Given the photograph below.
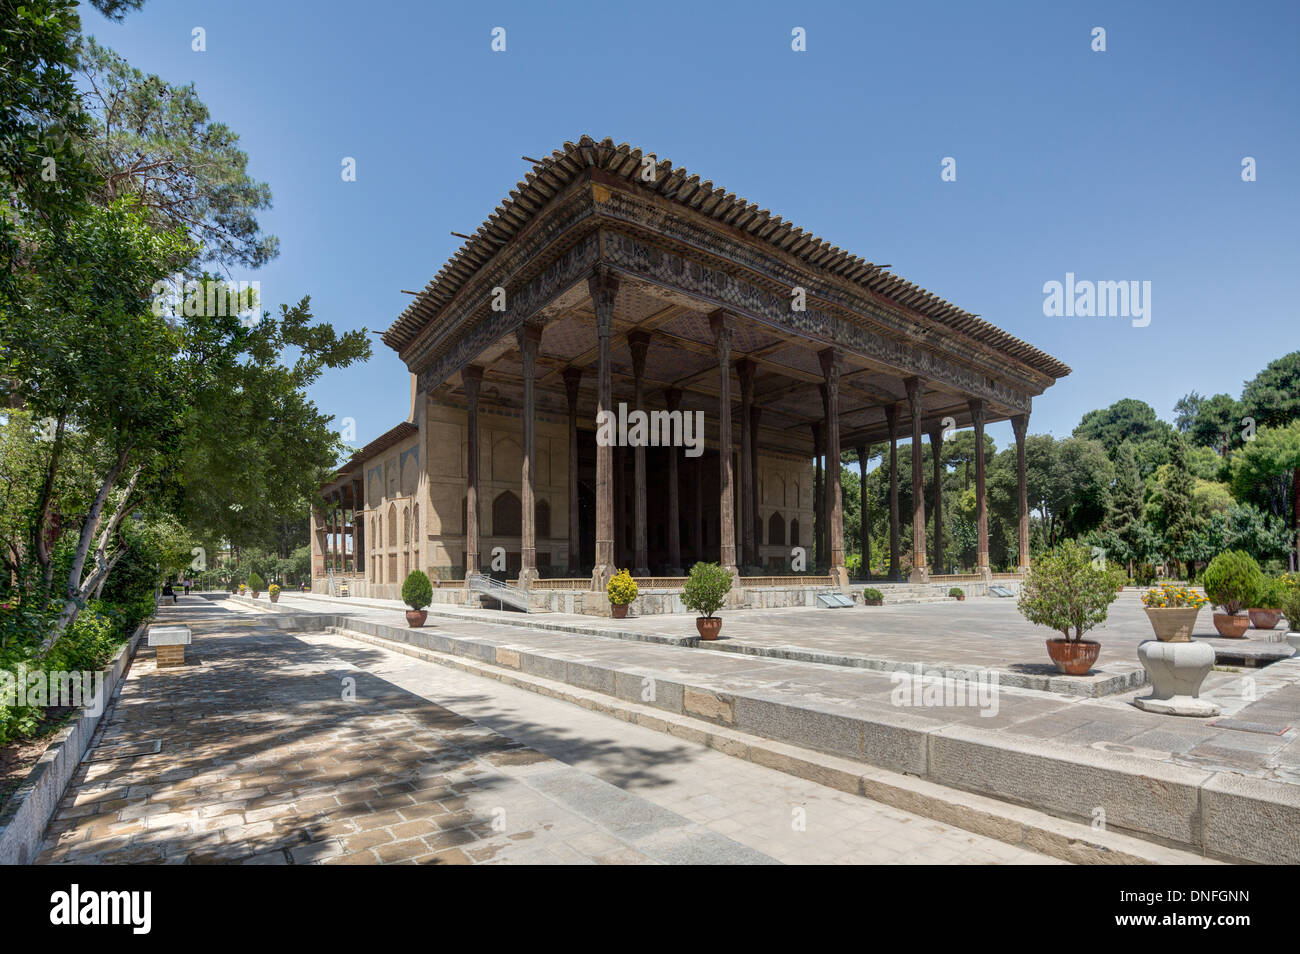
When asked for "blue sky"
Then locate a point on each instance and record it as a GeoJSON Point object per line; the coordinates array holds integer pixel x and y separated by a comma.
{"type": "Point", "coordinates": [1118, 166]}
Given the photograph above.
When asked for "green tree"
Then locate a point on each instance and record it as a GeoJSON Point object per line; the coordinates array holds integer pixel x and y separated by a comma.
{"type": "Point", "coordinates": [1126, 419]}
{"type": "Point", "coordinates": [1272, 399]}
{"type": "Point", "coordinates": [158, 142]}
{"type": "Point", "coordinates": [1178, 511]}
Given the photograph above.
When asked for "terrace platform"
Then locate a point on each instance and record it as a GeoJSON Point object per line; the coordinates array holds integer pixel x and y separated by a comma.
{"type": "Point", "coordinates": [1228, 787]}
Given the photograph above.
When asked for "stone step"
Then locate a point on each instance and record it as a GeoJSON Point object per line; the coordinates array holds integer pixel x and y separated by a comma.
{"type": "Point", "coordinates": [1203, 809]}
{"type": "Point", "coordinates": [1012, 824]}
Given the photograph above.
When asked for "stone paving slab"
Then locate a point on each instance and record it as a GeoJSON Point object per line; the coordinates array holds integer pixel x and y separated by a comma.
{"type": "Point", "coordinates": [286, 748]}
{"type": "Point", "coordinates": [257, 755]}
{"type": "Point", "coordinates": [1098, 751]}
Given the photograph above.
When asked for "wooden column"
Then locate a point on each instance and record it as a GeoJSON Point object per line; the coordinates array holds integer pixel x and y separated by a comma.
{"type": "Point", "coordinates": [819, 497]}
{"type": "Point", "coordinates": [358, 529]}
{"type": "Point", "coordinates": [936, 453]}
{"type": "Point", "coordinates": [673, 399]}
{"type": "Point", "coordinates": [723, 326]}
{"type": "Point", "coordinates": [528, 336]}
{"type": "Point", "coordinates": [572, 381]}
{"type": "Point", "coordinates": [1020, 424]}
{"type": "Point", "coordinates": [697, 523]}
{"type": "Point", "coordinates": [863, 512]}
{"type": "Point", "coordinates": [620, 509]}
{"type": "Point", "coordinates": [754, 413]}
{"type": "Point", "coordinates": [891, 419]}
{"type": "Point", "coordinates": [832, 363]}
{"type": "Point", "coordinates": [470, 379]}
{"type": "Point", "coordinates": [745, 372]}
{"type": "Point", "coordinates": [603, 286]}
{"type": "Point", "coordinates": [981, 506]}
{"type": "Point", "coordinates": [915, 403]}
{"type": "Point", "coordinates": [638, 342]}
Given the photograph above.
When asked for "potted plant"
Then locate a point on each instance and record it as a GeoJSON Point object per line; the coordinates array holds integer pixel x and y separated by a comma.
{"type": "Point", "coordinates": [256, 584]}
{"type": "Point", "coordinates": [957, 593]}
{"type": "Point", "coordinates": [1291, 610]}
{"type": "Point", "coordinates": [1232, 581]}
{"type": "Point", "coordinates": [872, 597]}
{"type": "Point", "coordinates": [1269, 611]}
{"type": "Point", "coordinates": [705, 592]}
{"type": "Point", "coordinates": [621, 590]}
{"type": "Point", "coordinates": [274, 592]}
{"type": "Point", "coordinates": [1172, 610]}
{"type": "Point", "coordinates": [417, 593]}
{"type": "Point", "coordinates": [243, 588]}
{"type": "Point", "coordinates": [1065, 591]}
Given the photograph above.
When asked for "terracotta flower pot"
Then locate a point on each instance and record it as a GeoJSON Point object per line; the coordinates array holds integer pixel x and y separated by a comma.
{"type": "Point", "coordinates": [256, 593]}
{"type": "Point", "coordinates": [1073, 657]}
{"type": "Point", "coordinates": [1264, 618]}
{"type": "Point", "coordinates": [618, 610]}
{"type": "Point", "coordinates": [275, 597]}
{"type": "Point", "coordinates": [1173, 624]}
{"type": "Point", "coordinates": [873, 602]}
{"type": "Point", "coordinates": [708, 626]}
{"type": "Point", "coordinates": [415, 618]}
{"type": "Point", "coordinates": [960, 598]}
{"type": "Point", "coordinates": [1230, 626]}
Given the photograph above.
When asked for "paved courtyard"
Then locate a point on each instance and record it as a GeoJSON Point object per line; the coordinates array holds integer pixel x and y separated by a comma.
{"type": "Point", "coordinates": [280, 748]}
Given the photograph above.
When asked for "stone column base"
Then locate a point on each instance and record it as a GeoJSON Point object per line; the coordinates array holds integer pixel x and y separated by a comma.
{"type": "Point", "coordinates": [527, 577]}
{"type": "Point", "coordinates": [919, 574]}
{"type": "Point", "coordinates": [840, 578]}
{"type": "Point", "coordinates": [600, 577]}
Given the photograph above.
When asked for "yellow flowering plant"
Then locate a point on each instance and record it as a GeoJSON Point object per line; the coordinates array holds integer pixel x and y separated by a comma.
{"type": "Point", "coordinates": [621, 588]}
{"type": "Point", "coordinates": [1173, 596]}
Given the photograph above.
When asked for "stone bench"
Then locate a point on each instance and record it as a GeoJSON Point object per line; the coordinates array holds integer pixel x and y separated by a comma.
{"type": "Point", "coordinates": [169, 643]}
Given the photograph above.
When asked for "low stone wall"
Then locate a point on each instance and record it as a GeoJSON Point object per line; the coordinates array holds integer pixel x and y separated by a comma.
{"type": "Point", "coordinates": [30, 808]}
{"type": "Point", "coordinates": [1215, 812]}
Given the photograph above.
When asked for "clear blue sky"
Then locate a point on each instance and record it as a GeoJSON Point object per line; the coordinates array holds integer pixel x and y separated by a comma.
{"type": "Point", "coordinates": [1122, 165]}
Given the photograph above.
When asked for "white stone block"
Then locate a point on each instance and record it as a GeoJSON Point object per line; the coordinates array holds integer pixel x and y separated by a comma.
{"type": "Point", "coordinates": [170, 636]}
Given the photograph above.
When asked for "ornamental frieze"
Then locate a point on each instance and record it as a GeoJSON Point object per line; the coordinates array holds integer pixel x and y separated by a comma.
{"type": "Point", "coordinates": [628, 208]}
{"type": "Point", "coordinates": [746, 298]}
{"type": "Point", "coordinates": [460, 345]}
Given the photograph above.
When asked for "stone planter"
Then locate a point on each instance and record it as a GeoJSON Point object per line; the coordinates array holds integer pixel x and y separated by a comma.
{"type": "Point", "coordinates": [1264, 618]}
{"type": "Point", "coordinates": [1073, 657]}
{"type": "Point", "coordinates": [1176, 670]}
{"type": "Point", "coordinates": [415, 618]}
{"type": "Point", "coordinates": [1232, 626]}
{"type": "Point", "coordinates": [618, 610]}
{"type": "Point", "coordinates": [1173, 624]}
{"type": "Point", "coordinates": [708, 626]}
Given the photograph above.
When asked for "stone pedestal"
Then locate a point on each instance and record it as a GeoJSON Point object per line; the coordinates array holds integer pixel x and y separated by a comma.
{"type": "Point", "coordinates": [169, 644]}
{"type": "Point", "coordinates": [1176, 671]}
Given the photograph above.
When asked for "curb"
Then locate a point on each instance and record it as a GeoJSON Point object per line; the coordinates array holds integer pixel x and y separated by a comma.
{"type": "Point", "coordinates": [29, 810]}
{"type": "Point", "coordinates": [1011, 824]}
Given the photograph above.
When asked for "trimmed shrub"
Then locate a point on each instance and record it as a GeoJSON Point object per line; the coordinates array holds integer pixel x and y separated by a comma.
{"type": "Point", "coordinates": [1233, 580]}
{"type": "Point", "coordinates": [621, 589]}
{"type": "Point", "coordinates": [956, 591]}
{"type": "Point", "coordinates": [256, 583]}
{"type": "Point", "coordinates": [1066, 592]}
{"type": "Point", "coordinates": [872, 594]}
{"type": "Point", "coordinates": [417, 591]}
{"type": "Point", "coordinates": [706, 589]}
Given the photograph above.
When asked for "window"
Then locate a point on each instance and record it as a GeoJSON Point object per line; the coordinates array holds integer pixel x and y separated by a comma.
{"type": "Point", "coordinates": [507, 515]}
{"type": "Point", "coordinates": [776, 529]}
